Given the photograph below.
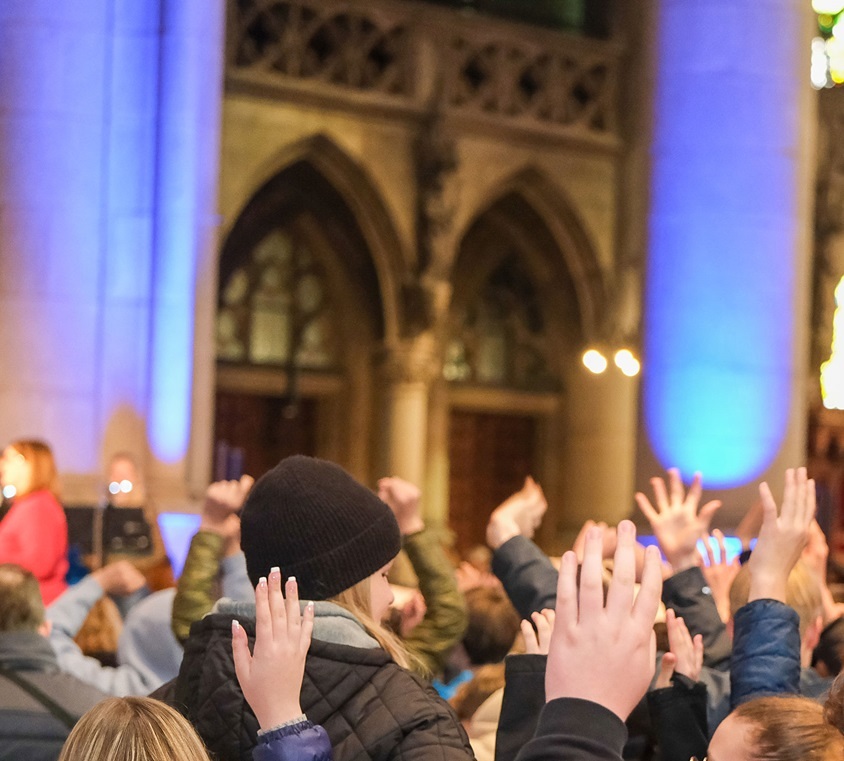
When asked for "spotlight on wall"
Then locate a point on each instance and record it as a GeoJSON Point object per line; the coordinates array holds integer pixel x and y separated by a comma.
{"type": "Point", "coordinates": [594, 361]}
{"type": "Point", "coordinates": [627, 363]}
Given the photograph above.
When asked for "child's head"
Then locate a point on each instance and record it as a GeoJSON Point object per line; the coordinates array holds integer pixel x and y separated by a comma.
{"type": "Point", "coordinates": [784, 728]}
{"type": "Point", "coordinates": [141, 729]}
{"type": "Point", "coordinates": [310, 518]}
{"type": "Point", "coordinates": [493, 625]}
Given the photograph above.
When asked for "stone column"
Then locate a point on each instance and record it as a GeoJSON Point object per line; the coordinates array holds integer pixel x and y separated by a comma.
{"type": "Point", "coordinates": [407, 372]}
{"type": "Point", "coordinates": [730, 221]}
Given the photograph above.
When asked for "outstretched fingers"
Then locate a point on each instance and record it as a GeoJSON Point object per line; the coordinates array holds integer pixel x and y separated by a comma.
{"type": "Point", "coordinates": [621, 592]}
{"type": "Point", "coordinates": [592, 575]}
{"type": "Point", "coordinates": [650, 590]}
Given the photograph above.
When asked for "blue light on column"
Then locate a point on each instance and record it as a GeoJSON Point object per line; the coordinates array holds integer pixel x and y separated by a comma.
{"type": "Point", "coordinates": [719, 311]}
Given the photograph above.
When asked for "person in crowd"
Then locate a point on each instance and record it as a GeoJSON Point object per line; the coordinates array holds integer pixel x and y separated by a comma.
{"type": "Point", "coordinates": [600, 656]}
{"type": "Point", "coordinates": [214, 552]}
{"type": "Point", "coordinates": [314, 521]}
{"type": "Point", "coordinates": [145, 729]}
{"type": "Point", "coordinates": [148, 654]}
{"type": "Point", "coordinates": [38, 702]}
{"type": "Point", "coordinates": [33, 533]}
{"type": "Point", "coordinates": [431, 640]}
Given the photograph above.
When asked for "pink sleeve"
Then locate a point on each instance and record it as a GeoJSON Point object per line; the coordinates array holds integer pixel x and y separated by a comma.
{"type": "Point", "coordinates": [34, 535]}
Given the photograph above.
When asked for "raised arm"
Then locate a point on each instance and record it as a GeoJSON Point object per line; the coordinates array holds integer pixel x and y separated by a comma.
{"type": "Point", "coordinates": [601, 656]}
{"type": "Point", "coordinates": [766, 641]}
{"type": "Point", "coordinates": [217, 538]}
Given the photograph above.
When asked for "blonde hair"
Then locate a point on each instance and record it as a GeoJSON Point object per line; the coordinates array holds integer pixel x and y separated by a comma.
{"type": "Point", "coordinates": [133, 729]}
{"type": "Point", "coordinates": [39, 457]}
{"type": "Point", "coordinates": [357, 600]}
{"type": "Point", "coordinates": [803, 593]}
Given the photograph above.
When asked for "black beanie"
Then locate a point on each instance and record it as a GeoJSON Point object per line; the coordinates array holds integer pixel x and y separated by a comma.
{"type": "Point", "coordinates": [310, 518]}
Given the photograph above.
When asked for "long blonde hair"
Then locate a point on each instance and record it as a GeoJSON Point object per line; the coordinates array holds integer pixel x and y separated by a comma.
{"type": "Point", "coordinates": [136, 729]}
{"type": "Point", "coordinates": [357, 600]}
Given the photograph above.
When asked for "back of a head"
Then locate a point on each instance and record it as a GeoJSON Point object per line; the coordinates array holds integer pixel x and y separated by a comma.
{"type": "Point", "coordinates": [140, 729]}
{"type": "Point", "coordinates": [21, 606]}
{"type": "Point", "coordinates": [39, 456]}
{"type": "Point", "coordinates": [828, 656]}
{"type": "Point", "coordinates": [492, 627]}
{"type": "Point", "coordinates": [310, 518]}
{"type": "Point", "coordinates": [803, 593]}
{"type": "Point", "coordinates": [791, 728]}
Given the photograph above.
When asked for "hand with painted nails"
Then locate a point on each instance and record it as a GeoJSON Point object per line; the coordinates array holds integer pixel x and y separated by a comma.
{"type": "Point", "coordinates": [604, 652]}
{"type": "Point", "coordinates": [782, 537]}
{"type": "Point", "coordinates": [685, 655]}
{"type": "Point", "coordinates": [537, 641]}
{"type": "Point", "coordinates": [676, 520]}
{"type": "Point", "coordinates": [271, 676]}
{"type": "Point", "coordinates": [719, 574]}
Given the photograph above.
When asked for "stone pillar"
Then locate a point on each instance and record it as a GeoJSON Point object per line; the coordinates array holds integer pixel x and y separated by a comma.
{"type": "Point", "coordinates": [407, 372]}
{"type": "Point", "coordinates": [730, 220]}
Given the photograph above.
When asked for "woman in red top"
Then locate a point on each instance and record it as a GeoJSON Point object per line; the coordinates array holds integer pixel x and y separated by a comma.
{"type": "Point", "coordinates": [33, 533]}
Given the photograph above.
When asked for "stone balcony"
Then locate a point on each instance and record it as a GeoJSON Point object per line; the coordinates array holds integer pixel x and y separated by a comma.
{"type": "Point", "coordinates": [400, 59]}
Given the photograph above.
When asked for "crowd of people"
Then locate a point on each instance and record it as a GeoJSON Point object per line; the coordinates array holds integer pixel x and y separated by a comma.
{"type": "Point", "coordinates": [284, 638]}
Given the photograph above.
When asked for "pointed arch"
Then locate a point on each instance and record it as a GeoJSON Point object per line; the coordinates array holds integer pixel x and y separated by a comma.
{"type": "Point", "coordinates": [573, 258]}
{"type": "Point", "coordinates": [366, 211]}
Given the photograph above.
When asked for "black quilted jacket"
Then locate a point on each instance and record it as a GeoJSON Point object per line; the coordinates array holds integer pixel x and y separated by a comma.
{"type": "Point", "coordinates": [370, 707]}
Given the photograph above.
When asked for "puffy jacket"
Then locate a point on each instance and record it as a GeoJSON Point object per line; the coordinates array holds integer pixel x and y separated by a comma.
{"type": "Point", "coordinates": [298, 742]}
{"type": "Point", "coordinates": [370, 707]}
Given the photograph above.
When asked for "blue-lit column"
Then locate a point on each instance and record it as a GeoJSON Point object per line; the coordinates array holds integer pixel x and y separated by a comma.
{"type": "Point", "coordinates": [109, 124]}
{"type": "Point", "coordinates": [729, 242]}
{"type": "Point", "coordinates": [184, 298]}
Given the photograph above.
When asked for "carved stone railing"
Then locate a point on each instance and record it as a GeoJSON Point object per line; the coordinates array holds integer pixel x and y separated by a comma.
{"type": "Point", "coordinates": [400, 55]}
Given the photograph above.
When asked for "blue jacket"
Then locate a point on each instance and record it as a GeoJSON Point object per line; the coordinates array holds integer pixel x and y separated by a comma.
{"type": "Point", "coordinates": [298, 742]}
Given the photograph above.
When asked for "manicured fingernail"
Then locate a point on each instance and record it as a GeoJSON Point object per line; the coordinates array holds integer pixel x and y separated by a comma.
{"type": "Point", "coordinates": [274, 570]}
{"type": "Point", "coordinates": [310, 606]}
{"type": "Point", "coordinates": [291, 578]}
{"type": "Point", "coordinates": [235, 625]}
{"type": "Point", "coordinates": [262, 582]}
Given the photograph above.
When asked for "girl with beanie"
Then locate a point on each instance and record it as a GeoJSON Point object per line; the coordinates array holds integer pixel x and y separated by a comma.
{"type": "Point", "coordinates": [312, 520]}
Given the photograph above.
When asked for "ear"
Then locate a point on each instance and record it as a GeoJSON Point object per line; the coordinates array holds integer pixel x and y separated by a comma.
{"type": "Point", "coordinates": [45, 628]}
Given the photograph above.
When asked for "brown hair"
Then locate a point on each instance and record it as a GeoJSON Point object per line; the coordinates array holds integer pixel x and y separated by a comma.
{"type": "Point", "coordinates": [357, 600]}
{"type": "Point", "coordinates": [39, 457]}
{"type": "Point", "coordinates": [492, 627]}
{"type": "Point", "coordinates": [140, 729]}
{"type": "Point", "coordinates": [791, 728]}
{"type": "Point", "coordinates": [21, 606]}
{"type": "Point", "coordinates": [803, 593]}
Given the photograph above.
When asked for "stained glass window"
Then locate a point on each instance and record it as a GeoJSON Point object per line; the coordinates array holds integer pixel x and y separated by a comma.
{"type": "Point", "coordinates": [828, 45]}
{"type": "Point", "coordinates": [502, 339]}
{"type": "Point", "coordinates": [274, 309]}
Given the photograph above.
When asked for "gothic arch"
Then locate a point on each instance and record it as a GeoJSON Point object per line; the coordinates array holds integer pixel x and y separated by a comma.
{"type": "Point", "coordinates": [573, 257]}
{"type": "Point", "coordinates": [365, 206]}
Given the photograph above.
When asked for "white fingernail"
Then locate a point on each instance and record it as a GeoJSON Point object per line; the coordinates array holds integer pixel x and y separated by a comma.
{"type": "Point", "coordinates": [275, 569]}
{"type": "Point", "coordinates": [291, 578]}
{"type": "Point", "coordinates": [262, 582]}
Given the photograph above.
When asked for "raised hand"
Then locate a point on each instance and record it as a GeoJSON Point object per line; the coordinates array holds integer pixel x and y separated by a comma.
{"type": "Point", "coordinates": [720, 574]}
{"type": "Point", "coordinates": [119, 578]}
{"type": "Point", "coordinates": [782, 537]}
{"type": "Point", "coordinates": [223, 499]}
{"type": "Point", "coordinates": [605, 652]}
{"type": "Point", "coordinates": [518, 515]}
{"type": "Point", "coordinates": [676, 520]}
{"type": "Point", "coordinates": [685, 655]}
{"type": "Point", "coordinates": [538, 641]}
{"type": "Point", "coordinates": [402, 497]}
{"type": "Point", "coordinates": [271, 677]}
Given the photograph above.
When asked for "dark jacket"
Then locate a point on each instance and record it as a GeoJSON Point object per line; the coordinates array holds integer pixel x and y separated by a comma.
{"type": "Point", "coordinates": [570, 729]}
{"type": "Point", "coordinates": [678, 714]}
{"type": "Point", "coordinates": [370, 707]}
{"type": "Point", "coordinates": [28, 731]}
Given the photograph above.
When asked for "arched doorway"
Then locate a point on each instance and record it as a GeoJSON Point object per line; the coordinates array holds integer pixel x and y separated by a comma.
{"type": "Point", "coordinates": [515, 328]}
{"type": "Point", "coordinates": [299, 315]}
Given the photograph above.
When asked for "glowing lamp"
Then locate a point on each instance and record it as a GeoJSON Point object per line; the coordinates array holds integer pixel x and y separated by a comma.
{"type": "Point", "coordinates": [594, 361]}
{"type": "Point", "coordinates": [627, 363]}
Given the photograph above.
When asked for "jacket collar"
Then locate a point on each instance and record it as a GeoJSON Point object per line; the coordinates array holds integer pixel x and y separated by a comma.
{"type": "Point", "coordinates": [26, 651]}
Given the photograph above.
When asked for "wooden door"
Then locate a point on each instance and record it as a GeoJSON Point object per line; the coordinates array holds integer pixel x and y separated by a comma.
{"type": "Point", "coordinates": [259, 426]}
{"type": "Point", "coordinates": [490, 455]}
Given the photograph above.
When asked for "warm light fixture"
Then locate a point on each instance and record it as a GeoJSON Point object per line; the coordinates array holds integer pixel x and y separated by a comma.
{"type": "Point", "coordinates": [627, 363]}
{"type": "Point", "coordinates": [594, 361]}
{"type": "Point", "coordinates": [828, 6]}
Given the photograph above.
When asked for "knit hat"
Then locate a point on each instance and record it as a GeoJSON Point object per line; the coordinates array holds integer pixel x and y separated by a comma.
{"type": "Point", "coordinates": [314, 521]}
